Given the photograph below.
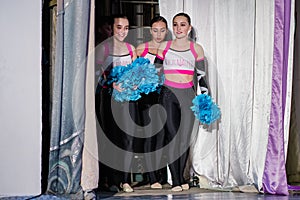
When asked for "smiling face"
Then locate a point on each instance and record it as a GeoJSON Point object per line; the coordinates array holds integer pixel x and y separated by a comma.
{"type": "Point", "coordinates": [158, 31]}
{"type": "Point", "coordinates": [120, 28]}
{"type": "Point", "coordinates": [181, 27]}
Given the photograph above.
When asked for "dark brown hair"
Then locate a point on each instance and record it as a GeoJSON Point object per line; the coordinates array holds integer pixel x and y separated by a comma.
{"type": "Point", "coordinates": [184, 15]}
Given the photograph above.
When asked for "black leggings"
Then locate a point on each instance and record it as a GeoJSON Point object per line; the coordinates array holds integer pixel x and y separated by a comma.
{"type": "Point", "coordinates": [154, 138]}
{"type": "Point", "coordinates": [114, 118]}
{"type": "Point", "coordinates": [178, 129]}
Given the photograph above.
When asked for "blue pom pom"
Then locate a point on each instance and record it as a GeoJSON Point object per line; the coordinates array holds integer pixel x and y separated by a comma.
{"type": "Point", "coordinates": [205, 110]}
{"type": "Point", "coordinates": [139, 77]}
{"type": "Point", "coordinates": [116, 73]}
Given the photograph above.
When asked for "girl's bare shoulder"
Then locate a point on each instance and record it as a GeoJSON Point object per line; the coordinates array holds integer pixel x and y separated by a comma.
{"type": "Point", "coordinates": [140, 48]}
{"type": "Point", "coordinates": [162, 46]}
{"type": "Point", "coordinates": [199, 50]}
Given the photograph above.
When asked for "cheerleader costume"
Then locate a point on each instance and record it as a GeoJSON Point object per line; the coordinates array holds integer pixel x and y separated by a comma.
{"type": "Point", "coordinates": [150, 144]}
{"type": "Point", "coordinates": [104, 105]}
{"type": "Point", "coordinates": [177, 98]}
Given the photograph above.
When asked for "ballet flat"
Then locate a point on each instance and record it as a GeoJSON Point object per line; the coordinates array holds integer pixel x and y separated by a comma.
{"type": "Point", "coordinates": [156, 186]}
{"type": "Point", "coordinates": [185, 186]}
{"type": "Point", "coordinates": [126, 188]}
{"type": "Point", "coordinates": [176, 189]}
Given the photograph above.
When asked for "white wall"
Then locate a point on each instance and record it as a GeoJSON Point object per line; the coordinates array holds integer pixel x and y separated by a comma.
{"type": "Point", "coordinates": [20, 97]}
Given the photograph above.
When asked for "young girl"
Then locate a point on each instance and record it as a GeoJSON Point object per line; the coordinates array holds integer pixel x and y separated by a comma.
{"type": "Point", "coordinates": [180, 60]}
{"type": "Point", "coordinates": [158, 31]}
{"type": "Point", "coordinates": [115, 52]}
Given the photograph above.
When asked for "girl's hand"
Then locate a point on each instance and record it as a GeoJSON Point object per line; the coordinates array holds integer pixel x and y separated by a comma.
{"type": "Point", "coordinates": [118, 87]}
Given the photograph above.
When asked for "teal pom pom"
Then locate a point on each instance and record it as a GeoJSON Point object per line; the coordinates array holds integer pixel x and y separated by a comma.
{"type": "Point", "coordinates": [136, 78]}
{"type": "Point", "coordinates": [117, 72]}
{"type": "Point", "coordinates": [205, 110]}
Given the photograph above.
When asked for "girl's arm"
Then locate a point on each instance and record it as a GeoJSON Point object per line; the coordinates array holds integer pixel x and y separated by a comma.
{"type": "Point", "coordinates": [134, 56]}
{"type": "Point", "coordinates": [140, 49]}
{"type": "Point", "coordinates": [200, 69]}
{"type": "Point", "coordinates": [100, 56]}
{"type": "Point", "coordinates": [159, 59]}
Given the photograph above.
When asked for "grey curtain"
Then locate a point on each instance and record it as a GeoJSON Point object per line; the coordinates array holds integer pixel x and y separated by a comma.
{"type": "Point", "coordinates": [68, 109]}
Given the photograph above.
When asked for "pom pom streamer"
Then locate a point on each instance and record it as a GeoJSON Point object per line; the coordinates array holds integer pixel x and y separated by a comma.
{"type": "Point", "coordinates": [136, 78]}
{"type": "Point", "coordinates": [205, 110]}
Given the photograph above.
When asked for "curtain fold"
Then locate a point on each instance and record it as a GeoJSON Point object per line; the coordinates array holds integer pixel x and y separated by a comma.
{"type": "Point", "coordinates": [169, 8]}
{"type": "Point", "coordinates": [263, 61]}
{"type": "Point", "coordinates": [68, 110]}
{"type": "Point", "coordinates": [274, 178]}
{"type": "Point", "coordinates": [289, 73]}
{"type": "Point", "coordinates": [90, 165]}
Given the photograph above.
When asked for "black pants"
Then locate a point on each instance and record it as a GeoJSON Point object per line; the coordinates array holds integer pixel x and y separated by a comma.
{"type": "Point", "coordinates": [153, 138]}
{"type": "Point", "coordinates": [117, 121]}
{"type": "Point", "coordinates": [178, 129]}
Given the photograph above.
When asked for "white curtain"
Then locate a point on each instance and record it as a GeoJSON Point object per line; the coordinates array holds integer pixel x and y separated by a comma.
{"type": "Point", "coordinates": [90, 168]}
{"type": "Point", "coordinates": [238, 39]}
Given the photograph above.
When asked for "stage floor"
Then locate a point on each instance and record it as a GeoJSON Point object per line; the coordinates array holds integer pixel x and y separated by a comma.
{"type": "Point", "coordinates": [145, 193]}
{"type": "Point", "coordinates": [194, 193]}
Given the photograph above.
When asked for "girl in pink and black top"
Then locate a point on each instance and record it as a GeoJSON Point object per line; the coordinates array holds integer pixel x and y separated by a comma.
{"type": "Point", "coordinates": [115, 52]}
{"type": "Point", "coordinates": [181, 61]}
{"type": "Point", "coordinates": [152, 141]}
{"type": "Point", "coordinates": [158, 31]}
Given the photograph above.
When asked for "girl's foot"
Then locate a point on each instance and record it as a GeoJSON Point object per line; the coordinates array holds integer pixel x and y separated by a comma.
{"type": "Point", "coordinates": [126, 187]}
{"type": "Point", "coordinates": [185, 186]}
{"type": "Point", "coordinates": [156, 185]}
{"type": "Point", "coordinates": [176, 189]}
